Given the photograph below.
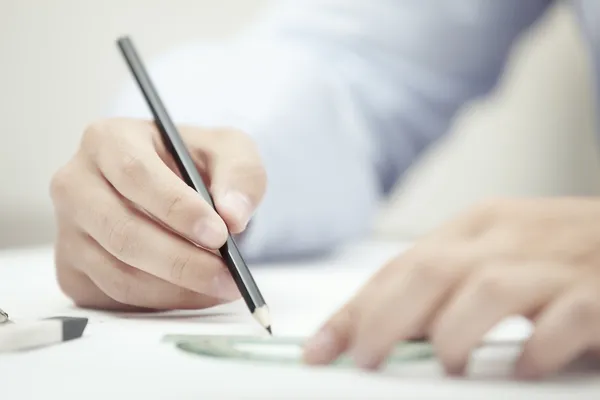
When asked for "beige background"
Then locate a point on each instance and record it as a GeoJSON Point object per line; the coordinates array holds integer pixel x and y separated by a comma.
{"type": "Point", "coordinates": [59, 69]}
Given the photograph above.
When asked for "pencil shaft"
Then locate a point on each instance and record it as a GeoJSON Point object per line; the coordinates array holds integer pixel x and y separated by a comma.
{"type": "Point", "coordinates": [243, 278]}
{"type": "Point", "coordinates": [175, 145]}
{"type": "Point", "coordinates": [167, 128]}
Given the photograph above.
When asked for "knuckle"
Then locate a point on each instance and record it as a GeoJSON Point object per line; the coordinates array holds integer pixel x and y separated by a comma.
{"type": "Point", "coordinates": [122, 236]}
{"type": "Point", "coordinates": [60, 184]}
{"type": "Point", "coordinates": [174, 205]}
{"type": "Point", "coordinates": [95, 134]}
{"type": "Point", "coordinates": [178, 265]}
{"type": "Point", "coordinates": [132, 168]}
{"type": "Point", "coordinates": [101, 140]}
{"type": "Point", "coordinates": [429, 271]}
{"type": "Point", "coordinates": [490, 284]}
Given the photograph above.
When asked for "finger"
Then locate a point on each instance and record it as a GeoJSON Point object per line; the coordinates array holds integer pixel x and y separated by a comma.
{"type": "Point", "coordinates": [368, 326]}
{"type": "Point", "coordinates": [566, 329]}
{"type": "Point", "coordinates": [138, 241]}
{"type": "Point", "coordinates": [84, 293]}
{"type": "Point", "coordinates": [71, 280]}
{"type": "Point", "coordinates": [335, 336]}
{"type": "Point", "coordinates": [134, 287]}
{"type": "Point", "coordinates": [470, 224]}
{"type": "Point", "coordinates": [405, 303]}
{"type": "Point", "coordinates": [128, 159]}
{"type": "Point", "coordinates": [332, 338]}
{"type": "Point", "coordinates": [488, 296]}
{"type": "Point", "coordinates": [237, 177]}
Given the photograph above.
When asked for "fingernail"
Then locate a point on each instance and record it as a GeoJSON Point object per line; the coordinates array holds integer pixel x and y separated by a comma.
{"type": "Point", "coordinates": [239, 205]}
{"type": "Point", "coordinates": [210, 233]}
{"type": "Point", "coordinates": [224, 287]}
{"type": "Point", "coordinates": [320, 348]}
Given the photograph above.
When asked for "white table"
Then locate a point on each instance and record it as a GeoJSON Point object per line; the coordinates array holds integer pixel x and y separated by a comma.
{"type": "Point", "coordinates": [122, 356]}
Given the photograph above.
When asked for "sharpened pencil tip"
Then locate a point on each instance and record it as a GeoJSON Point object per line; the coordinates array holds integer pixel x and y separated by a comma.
{"type": "Point", "coordinates": [261, 314]}
{"type": "Point", "coordinates": [270, 330]}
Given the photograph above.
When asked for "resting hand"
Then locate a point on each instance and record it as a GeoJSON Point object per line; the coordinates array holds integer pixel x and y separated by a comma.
{"type": "Point", "coordinates": [535, 258]}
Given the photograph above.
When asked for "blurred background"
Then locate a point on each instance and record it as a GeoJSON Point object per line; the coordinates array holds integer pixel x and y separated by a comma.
{"type": "Point", "coordinates": [59, 70]}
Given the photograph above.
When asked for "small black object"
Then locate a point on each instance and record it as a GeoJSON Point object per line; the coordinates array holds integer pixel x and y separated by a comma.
{"type": "Point", "coordinates": [72, 328]}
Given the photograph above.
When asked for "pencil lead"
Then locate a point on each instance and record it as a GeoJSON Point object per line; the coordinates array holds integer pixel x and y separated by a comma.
{"type": "Point", "coordinates": [270, 330]}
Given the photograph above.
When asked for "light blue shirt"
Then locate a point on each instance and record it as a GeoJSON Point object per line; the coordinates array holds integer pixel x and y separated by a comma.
{"type": "Point", "coordinates": [341, 97]}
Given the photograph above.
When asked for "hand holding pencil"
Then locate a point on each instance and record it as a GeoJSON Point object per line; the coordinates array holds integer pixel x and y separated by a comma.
{"type": "Point", "coordinates": [132, 234]}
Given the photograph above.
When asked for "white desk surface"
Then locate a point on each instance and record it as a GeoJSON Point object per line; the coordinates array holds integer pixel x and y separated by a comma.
{"type": "Point", "coordinates": [121, 356]}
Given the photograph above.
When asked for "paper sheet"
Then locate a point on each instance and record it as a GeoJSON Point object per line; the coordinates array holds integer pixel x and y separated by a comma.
{"type": "Point", "coordinates": [122, 356]}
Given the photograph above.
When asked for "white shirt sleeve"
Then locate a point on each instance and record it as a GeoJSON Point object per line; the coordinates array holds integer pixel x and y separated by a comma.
{"type": "Point", "coordinates": [341, 96]}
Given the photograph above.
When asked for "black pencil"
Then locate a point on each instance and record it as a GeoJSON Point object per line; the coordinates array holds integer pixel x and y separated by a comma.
{"type": "Point", "coordinates": [173, 142]}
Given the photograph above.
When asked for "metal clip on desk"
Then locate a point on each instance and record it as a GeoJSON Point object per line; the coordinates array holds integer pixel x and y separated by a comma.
{"type": "Point", "coordinates": [3, 316]}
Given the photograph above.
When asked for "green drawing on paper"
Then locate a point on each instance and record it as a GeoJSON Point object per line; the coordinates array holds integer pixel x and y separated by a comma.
{"type": "Point", "coordinates": [280, 350]}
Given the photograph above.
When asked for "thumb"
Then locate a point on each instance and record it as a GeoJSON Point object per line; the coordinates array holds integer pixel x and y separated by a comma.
{"type": "Point", "coordinates": [238, 183]}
